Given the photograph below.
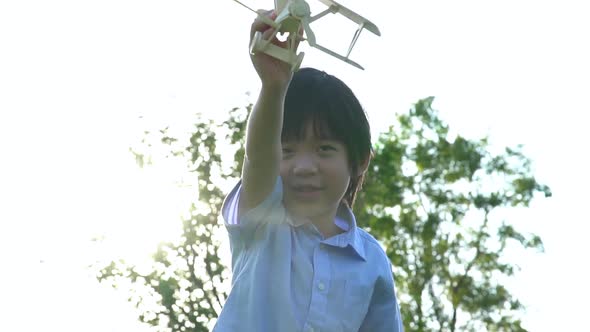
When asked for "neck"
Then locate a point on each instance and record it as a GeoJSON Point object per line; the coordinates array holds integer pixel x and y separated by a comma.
{"type": "Point", "coordinates": [327, 227]}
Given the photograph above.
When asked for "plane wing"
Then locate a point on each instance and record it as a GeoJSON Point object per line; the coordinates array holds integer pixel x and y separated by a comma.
{"type": "Point", "coordinates": [336, 55]}
{"type": "Point", "coordinates": [338, 8]}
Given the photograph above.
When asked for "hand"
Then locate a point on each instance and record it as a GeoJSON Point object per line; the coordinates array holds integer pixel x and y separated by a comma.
{"type": "Point", "coordinates": [273, 72]}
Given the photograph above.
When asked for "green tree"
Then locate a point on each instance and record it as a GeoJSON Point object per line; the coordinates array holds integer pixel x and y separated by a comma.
{"type": "Point", "coordinates": [429, 198]}
{"type": "Point", "coordinates": [435, 201]}
{"type": "Point", "coordinates": [183, 289]}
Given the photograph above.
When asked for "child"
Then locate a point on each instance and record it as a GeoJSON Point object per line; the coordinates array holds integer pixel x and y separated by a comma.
{"type": "Point", "coordinates": [299, 261]}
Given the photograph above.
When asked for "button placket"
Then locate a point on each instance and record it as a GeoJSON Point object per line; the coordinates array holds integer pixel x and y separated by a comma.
{"type": "Point", "coordinates": [321, 281]}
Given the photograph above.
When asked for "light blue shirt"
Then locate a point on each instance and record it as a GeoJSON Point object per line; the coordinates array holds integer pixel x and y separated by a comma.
{"type": "Point", "coordinates": [288, 278]}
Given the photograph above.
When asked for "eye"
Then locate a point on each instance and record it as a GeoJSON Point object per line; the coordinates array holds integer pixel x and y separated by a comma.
{"type": "Point", "coordinates": [327, 147]}
{"type": "Point", "coordinates": [287, 152]}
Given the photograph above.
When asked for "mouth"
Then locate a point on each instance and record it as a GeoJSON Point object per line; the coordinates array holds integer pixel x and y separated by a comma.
{"type": "Point", "coordinates": [306, 188]}
{"type": "Point", "coordinates": [306, 192]}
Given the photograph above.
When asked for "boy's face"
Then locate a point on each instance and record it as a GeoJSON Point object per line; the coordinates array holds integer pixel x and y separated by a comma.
{"type": "Point", "coordinates": [315, 174]}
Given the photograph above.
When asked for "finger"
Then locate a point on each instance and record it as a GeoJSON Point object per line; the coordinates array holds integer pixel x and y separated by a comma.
{"type": "Point", "coordinates": [299, 37]}
{"type": "Point", "coordinates": [268, 33]}
{"type": "Point", "coordinates": [259, 24]}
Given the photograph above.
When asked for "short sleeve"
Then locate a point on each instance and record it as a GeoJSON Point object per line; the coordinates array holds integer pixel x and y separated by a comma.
{"type": "Point", "coordinates": [241, 228]}
{"type": "Point", "coordinates": [384, 313]}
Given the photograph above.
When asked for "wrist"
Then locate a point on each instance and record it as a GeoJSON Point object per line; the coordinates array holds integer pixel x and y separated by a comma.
{"type": "Point", "coordinates": [274, 89]}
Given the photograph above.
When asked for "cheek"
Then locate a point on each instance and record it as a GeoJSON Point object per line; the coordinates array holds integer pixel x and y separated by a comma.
{"type": "Point", "coordinates": [339, 175]}
{"type": "Point", "coordinates": [284, 168]}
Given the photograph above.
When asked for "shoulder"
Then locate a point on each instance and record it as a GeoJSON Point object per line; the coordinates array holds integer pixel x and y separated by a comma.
{"type": "Point", "coordinates": [370, 243]}
{"type": "Point", "coordinates": [374, 251]}
{"type": "Point", "coordinates": [234, 214]}
{"type": "Point", "coordinates": [380, 265]}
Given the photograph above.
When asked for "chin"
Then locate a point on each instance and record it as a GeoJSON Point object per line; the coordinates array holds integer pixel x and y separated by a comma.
{"type": "Point", "coordinates": [300, 211]}
{"type": "Point", "coordinates": [308, 211]}
{"type": "Point", "coordinates": [298, 208]}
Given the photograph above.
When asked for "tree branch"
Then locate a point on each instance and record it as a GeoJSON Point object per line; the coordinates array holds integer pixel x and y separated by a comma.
{"type": "Point", "coordinates": [214, 289]}
{"type": "Point", "coordinates": [437, 307]}
{"type": "Point", "coordinates": [194, 282]}
{"type": "Point", "coordinates": [468, 268]}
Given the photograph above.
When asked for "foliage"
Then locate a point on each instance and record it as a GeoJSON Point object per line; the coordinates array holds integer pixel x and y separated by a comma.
{"type": "Point", "coordinates": [183, 291]}
{"type": "Point", "coordinates": [434, 201]}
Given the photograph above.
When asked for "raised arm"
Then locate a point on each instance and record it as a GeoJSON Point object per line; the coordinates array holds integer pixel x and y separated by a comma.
{"type": "Point", "coordinates": [263, 135]}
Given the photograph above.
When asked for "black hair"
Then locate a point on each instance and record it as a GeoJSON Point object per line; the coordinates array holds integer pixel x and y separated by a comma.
{"type": "Point", "coordinates": [332, 108]}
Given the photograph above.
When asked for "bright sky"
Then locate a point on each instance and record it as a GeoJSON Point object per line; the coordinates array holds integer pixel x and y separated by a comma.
{"type": "Point", "coordinates": [76, 75]}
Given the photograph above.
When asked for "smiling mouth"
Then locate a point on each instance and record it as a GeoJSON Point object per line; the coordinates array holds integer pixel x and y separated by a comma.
{"type": "Point", "coordinates": [306, 189]}
{"type": "Point", "coordinates": [306, 193]}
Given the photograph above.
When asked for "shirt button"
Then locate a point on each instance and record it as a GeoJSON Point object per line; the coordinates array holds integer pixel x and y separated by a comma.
{"type": "Point", "coordinates": [321, 286]}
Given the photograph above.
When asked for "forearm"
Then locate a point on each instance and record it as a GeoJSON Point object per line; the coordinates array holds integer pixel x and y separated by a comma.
{"type": "Point", "coordinates": [263, 131]}
{"type": "Point", "coordinates": [263, 136]}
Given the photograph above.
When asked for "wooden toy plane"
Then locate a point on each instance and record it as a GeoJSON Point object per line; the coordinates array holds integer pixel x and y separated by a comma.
{"type": "Point", "coordinates": [294, 16]}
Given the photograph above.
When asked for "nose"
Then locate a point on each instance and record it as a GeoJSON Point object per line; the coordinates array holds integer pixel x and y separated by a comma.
{"type": "Point", "coordinates": [304, 164]}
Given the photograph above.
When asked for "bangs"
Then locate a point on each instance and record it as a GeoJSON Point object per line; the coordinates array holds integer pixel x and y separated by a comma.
{"type": "Point", "coordinates": [322, 117]}
{"type": "Point", "coordinates": [314, 101]}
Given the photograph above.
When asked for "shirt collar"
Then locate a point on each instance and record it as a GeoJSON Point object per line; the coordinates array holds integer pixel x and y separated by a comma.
{"type": "Point", "coordinates": [352, 236]}
{"type": "Point", "coordinates": [346, 221]}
